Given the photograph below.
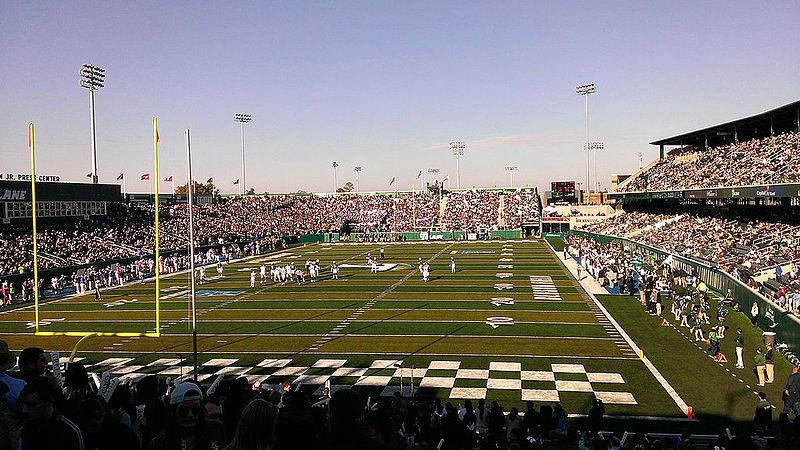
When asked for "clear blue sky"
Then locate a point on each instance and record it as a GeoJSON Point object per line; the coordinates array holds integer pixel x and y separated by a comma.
{"type": "Point", "coordinates": [384, 85]}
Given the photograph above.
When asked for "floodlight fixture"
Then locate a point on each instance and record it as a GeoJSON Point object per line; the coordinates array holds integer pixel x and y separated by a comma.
{"type": "Point", "coordinates": [92, 78]}
{"type": "Point", "coordinates": [457, 147]}
{"type": "Point", "coordinates": [242, 119]}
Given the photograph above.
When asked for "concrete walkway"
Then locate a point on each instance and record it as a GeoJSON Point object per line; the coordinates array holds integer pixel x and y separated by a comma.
{"type": "Point", "coordinates": [588, 283]}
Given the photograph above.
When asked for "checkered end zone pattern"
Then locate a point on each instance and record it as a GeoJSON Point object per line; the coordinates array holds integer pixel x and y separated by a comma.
{"type": "Point", "coordinates": [390, 376]}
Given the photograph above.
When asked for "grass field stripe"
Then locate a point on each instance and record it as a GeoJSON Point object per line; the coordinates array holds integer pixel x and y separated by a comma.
{"type": "Point", "coordinates": [652, 368]}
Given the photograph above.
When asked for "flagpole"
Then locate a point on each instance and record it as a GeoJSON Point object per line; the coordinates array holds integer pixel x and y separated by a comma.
{"type": "Point", "coordinates": [124, 187]}
{"type": "Point", "coordinates": [157, 249]}
{"type": "Point", "coordinates": [32, 144]}
{"type": "Point", "coordinates": [191, 252]}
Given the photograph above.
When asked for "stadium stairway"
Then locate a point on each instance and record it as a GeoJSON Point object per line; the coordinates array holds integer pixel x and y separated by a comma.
{"type": "Point", "coordinates": [128, 248]}
{"type": "Point", "coordinates": [56, 260]}
{"type": "Point", "coordinates": [442, 209]}
{"type": "Point", "coordinates": [501, 217]}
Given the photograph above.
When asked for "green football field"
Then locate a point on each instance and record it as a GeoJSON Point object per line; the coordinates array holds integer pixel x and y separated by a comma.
{"type": "Point", "coordinates": [510, 325]}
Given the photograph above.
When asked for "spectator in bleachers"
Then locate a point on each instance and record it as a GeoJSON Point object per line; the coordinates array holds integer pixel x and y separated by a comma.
{"type": "Point", "coordinates": [185, 428]}
{"type": "Point", "coordinates": [32, 363]}
{"type": "Point", "coordinates": [256, 427]}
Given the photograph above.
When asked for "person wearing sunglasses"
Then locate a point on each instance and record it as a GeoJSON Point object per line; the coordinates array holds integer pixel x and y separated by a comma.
{"type": "Point", "coordinates": [186, 422]}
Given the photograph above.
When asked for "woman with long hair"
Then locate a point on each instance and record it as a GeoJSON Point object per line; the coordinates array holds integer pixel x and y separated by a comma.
{"type": "Point", "coordinates": [256, 427]}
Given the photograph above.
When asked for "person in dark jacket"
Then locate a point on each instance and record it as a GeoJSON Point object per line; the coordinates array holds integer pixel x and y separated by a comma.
{"type": "Point", "coordinates": [100, 429]}
{"type": "Point", "coordinates": [45, 427]}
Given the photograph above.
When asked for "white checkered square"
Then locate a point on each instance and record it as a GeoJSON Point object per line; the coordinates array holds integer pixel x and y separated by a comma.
{"type": "Point", "coordinates": [330, 363]}
{"type": "Point", "coordinates": [505, 366]}
{"type": "Point", "coordinates": [437, 382]}
{"type": "Point", "coordinates": [417, 372]}
{"type": "Point", "coordinates": [163, 362]}
{"type": "Point", "coordinates": [233, 371]}
{"type": "Point", "coordinates": [540, 395]}
{"type": "Point", "coordinates": [568, 368]}
{"type": "Point", "coordinates": [274, 363]}
{"type": "Point", "coordinates": [349, 372]}
{"type": "Point", "coordinates": [502, 383]}
{"type": "Point", "coordinates": [616, 398]}
{"type": "Point", "coordinates": [468, 393]}
{"type": "Point", "coordinates": [444, 365]}
{"type": "Point", "coordinates": [384, 363]}
{"type": "Point", "coordinates": [600, 377]}
{"type": "Point", "coordinates": [290, 371]}
{"type": "Point", "coordinates": [220, 362]}
{"type": "Point", "coordinates": [573, 386]}
{"type": "Point", "coordinates": [473, 374]}
{"type": "Point", "coordinates": [537, 375]}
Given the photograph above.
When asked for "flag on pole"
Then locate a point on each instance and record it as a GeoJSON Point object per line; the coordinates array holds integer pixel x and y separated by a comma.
{"type": "Point", "coordinates": [236, 182]}
{"type": "Point", "coordinates": [146, 177]}
{"type": "Point", "coordinates": [121, 176]}
{"type": "Point", "coordinates": [210, 180]}
{"type": "Point", "coordinates": [168, 179]}
{"type": "Point", "coordinates": [391, 182]}
{"type": "Point", "coordinates": [419, 174]}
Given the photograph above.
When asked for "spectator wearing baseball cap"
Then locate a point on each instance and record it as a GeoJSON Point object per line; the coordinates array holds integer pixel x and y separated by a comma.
{"type": "Point", "coordinates": [8, 360]}
{"type": "Point", "coordinates": [186, 422]}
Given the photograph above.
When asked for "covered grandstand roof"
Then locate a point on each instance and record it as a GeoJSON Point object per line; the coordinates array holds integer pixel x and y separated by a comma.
{"type": "Point", "coordinates": [775, 121]}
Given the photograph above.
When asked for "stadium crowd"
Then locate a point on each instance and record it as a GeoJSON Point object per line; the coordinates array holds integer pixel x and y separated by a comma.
{"type": "Point", "coordinates": [758, 161]}
{"type": "Point", "coordinates": [747, 239]}
{"type": "Point", "coordinates": [66, 409]}
{"type": "Point", "coordinates": [759, 246]}
{"type": "Point", "coordinates": [127, 231]}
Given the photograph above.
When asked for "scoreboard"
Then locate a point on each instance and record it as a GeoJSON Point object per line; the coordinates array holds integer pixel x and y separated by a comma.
{"type": "Point", "coordinates": [563, 189]}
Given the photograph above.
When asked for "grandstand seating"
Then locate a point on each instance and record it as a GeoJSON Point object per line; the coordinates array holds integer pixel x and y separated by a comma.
{"type": "Point", "coordinates": [759, 161]}
{"type": "Point", "coordinates": [127, 231]}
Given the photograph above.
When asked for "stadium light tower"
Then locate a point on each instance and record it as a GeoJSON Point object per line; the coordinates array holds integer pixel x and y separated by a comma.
{"type": "Point", "coordinates": [242, 119]}
{"type": "Point", "coordinates": [458, 150]}
{"type": "Point", "coordinates": [511, 170]}
{"type": "Point", "coordinates": [432, 171]}
{"type": "Point", "coordinates": [335, 165]}
{"type": "Point", "coordinates": [92, 78]}
{"type": "Point", "coordinates": [357, 170]}
{"type": "Point", "coordinates": [585, 90]}
{"type": "Point", "coordinates": [595, 146]}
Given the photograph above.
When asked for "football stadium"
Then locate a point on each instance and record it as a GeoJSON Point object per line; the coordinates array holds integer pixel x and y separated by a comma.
{"type": "Point", "coordinates": [649, 307]}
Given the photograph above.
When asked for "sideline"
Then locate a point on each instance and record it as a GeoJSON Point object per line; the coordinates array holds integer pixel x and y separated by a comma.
{"type": "Point", "coordinates": [591, 286]}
